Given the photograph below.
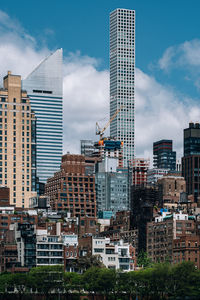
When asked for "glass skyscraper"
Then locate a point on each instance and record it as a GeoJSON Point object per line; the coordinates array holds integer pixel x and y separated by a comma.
{"type": "Point", "coordinates": [44, 88]}
{"type": "Point", "coordinates": [122, 71]}
{"type": "Point", "coordinates": [163, 155]}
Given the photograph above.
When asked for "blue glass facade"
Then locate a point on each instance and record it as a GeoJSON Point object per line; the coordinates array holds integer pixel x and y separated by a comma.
{"type": "Point", "coordinates": [44, 88]}
{"type": "Point", "coordinates": [192, 140]}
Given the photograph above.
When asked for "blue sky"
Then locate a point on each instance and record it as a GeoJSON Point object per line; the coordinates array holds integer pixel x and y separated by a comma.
{"type": "Point", "coordinates": [167, 61]}
{"type": "Point", "coordinates": [84, 25]}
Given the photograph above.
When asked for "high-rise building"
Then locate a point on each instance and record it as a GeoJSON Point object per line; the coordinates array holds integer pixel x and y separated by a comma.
{"type": "Point", "coordinates": [163, 155]}
{"type": "Point", "coordinates": [17, 142]}
{"type": "Point", "coordinates": [192, 139]}
{"type": "Point", "coordinates": [191, 160]}
{"type": "Point", "coordinates": [122, 78]}
{"type": "Point", "coordinates": [44, 88]}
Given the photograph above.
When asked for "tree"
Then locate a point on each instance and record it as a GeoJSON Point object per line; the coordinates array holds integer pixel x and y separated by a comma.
{"type": "Point", "coordinates": [107, 281]}
{"type": "Point", "coordinates": [5, 282]}
{"type": "Point", "coordinates": [143, 260]}
{"type": "Point", "coordinates": [46, 279]}
{"type": "Point", "coordinates": [160, 280]}
{"type": "Point", "coordinates": [85, 262]}
{"type": "Point", "coordinates": [20, 282]}
{"type": "Point", "coordinates": [185, 280]}
{"type": "Point", "coordinates": [123, 282]}
{"type": "Point", "coordinates": [72, 281]}
{"type": "Point", "coordinates": [91, 280]}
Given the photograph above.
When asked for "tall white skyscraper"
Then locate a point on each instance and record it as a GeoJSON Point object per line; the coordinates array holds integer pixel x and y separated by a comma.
{"type": "Point", "coordinates": [122, 71]}
{"type": "Point", "coordinates": [44, 88]}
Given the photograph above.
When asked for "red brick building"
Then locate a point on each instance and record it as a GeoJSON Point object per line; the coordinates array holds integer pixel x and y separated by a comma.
{"type": "Point", "coordinates": [163, 233]}
{"type": "Point", "coordinates": [140, 167]}
{"type": "Point", "coordinates": [6, 219]}
{"type": "Point", "coordinates": [71, 189]}
{"type": "Point", "coordinates": [186, 248]}
{"type": "Point", "coordinates": [4, 196]}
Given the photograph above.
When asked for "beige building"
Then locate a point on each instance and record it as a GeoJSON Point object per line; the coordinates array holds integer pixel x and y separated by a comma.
{"type": "Point", "coordinates": [16, 141]}
{"type": "Point", "coordinates": [172, 187]}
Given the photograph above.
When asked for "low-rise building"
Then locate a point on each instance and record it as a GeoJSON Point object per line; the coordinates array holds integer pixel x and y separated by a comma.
{"type": "Point", "coordinates": [49, 249]}
{"type": "Point", "coordinates": [117, 255]}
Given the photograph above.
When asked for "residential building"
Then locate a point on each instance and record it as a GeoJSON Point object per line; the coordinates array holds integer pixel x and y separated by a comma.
{"type": "Point", "coordinates": [17, 142]}
{"type": "Point", "coordinates": [114, 255]}
{"type": "Point", "coordinates": [163, 155]}
{"type": "Point", "coordinates": [44, 88]}
{"type": "Point", "coordinates": [122, 79]}
{"type": "Point", "coordinates": [9, 216]}
{"type": "Point", "coordinates": [186, 248]}
{"type": "Point", "coordinates": [9, 255]}
{"type": "Point", "coordinates": [70, 242]}
{"type": "Point", "coordinates": [140, 167]}
{"type": "Point", "coordinates": [164, 232]}
{"type": "Point", "coordinates": [25, 236]}
{"type": "Point", "coordinates": [71, 189]}
{"type": "Point", "coordinates": [49, 249]}
{"type": "Point", "coordinates": [191, 160]}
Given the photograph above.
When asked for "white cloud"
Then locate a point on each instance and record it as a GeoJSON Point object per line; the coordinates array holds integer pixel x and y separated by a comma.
{"type": "Point", "coordinates": [185, 55]}
{"type": "Point", "coordinates": [85, 100]}
{"type": "Point", "coordinates": [160, 111]}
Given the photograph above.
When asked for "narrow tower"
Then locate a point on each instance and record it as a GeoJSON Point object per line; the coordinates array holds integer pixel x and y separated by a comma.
{"type": "Point", "coordinates": [122, 71]}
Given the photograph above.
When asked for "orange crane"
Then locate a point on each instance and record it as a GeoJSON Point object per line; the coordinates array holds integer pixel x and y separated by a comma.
{"type": "Point", "coordinates": [100, 131]}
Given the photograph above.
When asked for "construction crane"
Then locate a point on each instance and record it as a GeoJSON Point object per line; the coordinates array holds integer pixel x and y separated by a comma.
{"type": "Point", "coordinates": [100, 131]}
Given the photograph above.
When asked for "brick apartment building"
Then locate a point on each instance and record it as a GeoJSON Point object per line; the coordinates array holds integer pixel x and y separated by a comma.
{"type": "Point", "coordinates": [162, 233]}
{"type": "Point", "coordinates": [10, 217]}
{"type": "Point", "coordinates": [71, 189]}
{"type": "Point", "coordinates": [186, 248]}
{"type": "Point", "coordinates": [4, 196]}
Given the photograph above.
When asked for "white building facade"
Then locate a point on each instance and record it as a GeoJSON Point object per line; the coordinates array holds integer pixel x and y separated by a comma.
{"type": "Point", "coordinates": [113, 255]}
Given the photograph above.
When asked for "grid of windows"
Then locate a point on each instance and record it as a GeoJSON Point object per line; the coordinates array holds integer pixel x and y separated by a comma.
{"type": "Point", "coordinates": [122, 69]}
{"type": "Point", "coordinates": [44, 87]}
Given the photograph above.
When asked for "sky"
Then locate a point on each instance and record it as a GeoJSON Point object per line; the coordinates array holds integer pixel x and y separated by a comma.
{"type": "Point", "coordinates": [167, 62]}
